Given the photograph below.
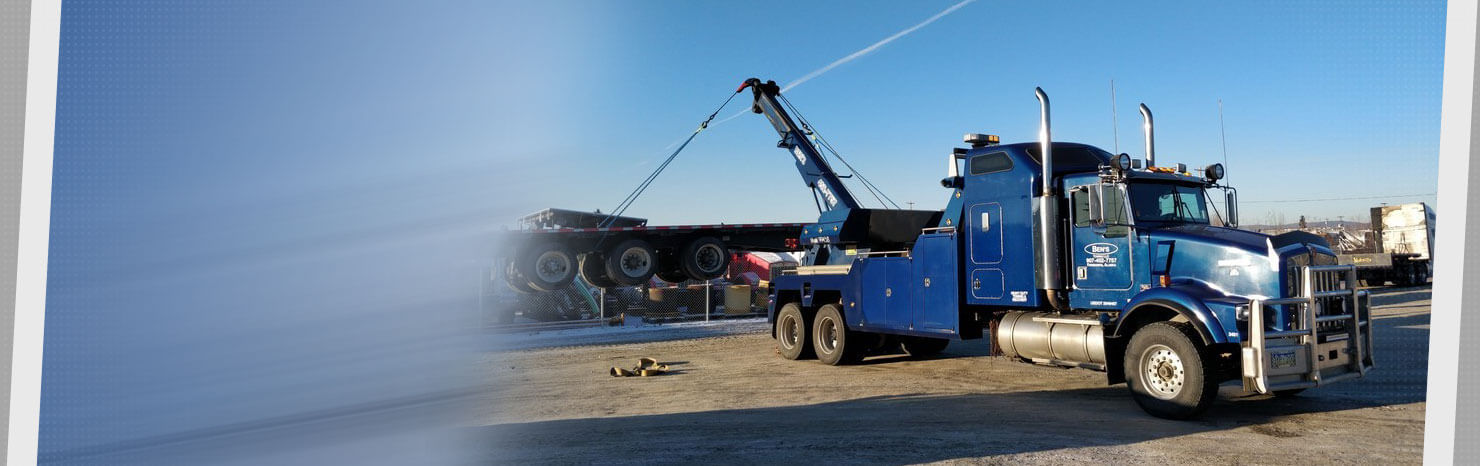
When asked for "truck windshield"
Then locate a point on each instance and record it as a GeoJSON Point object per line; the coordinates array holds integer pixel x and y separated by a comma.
{"type": "Point", "coordinates": [1168, 203]}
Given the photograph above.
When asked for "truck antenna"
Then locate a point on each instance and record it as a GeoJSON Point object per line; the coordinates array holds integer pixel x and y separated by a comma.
{"type": "Point", "coordinates": [1115, 120]}
{"type": "Point", "coordinates": [1224, 133]}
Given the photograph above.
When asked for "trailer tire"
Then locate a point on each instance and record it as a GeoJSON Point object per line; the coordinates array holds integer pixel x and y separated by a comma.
{"type": "Point", "coordinates": [632, 262]}
{"type": "Point", "coordinates": [793, 333]}
{"type": "Point", "coordinates": [547, 266]}
{"type": "Point", "coordinates": [704, 258]}
{"type": "Point", "coordinates": [593, 270]}
{"type": "Point", "coordinates": [515, 281]}
{"type": "Point", "coordinates": [831, 337]}
{"type": "Point", "coordinates": [921, 347]}
{"type": "Point", "coordinates": [1169, 371]}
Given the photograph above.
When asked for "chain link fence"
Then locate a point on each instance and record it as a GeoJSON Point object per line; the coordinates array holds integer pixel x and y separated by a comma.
{"type": "Point", "coordinates": [739, 294]}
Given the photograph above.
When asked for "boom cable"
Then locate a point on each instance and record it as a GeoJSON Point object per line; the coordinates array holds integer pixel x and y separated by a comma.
{"type": "Point", "coordinates": [632, 197]}
{"type": "Point", "coordinates": [867, 185]}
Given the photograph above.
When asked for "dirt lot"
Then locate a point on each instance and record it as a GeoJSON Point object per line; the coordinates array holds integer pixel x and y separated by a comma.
{"type": "Point", "coordinates": [731, 399]}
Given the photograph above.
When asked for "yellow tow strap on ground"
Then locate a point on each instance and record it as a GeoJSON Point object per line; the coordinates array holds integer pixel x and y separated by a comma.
{"type": "Point", "coordinates": [646, 367]}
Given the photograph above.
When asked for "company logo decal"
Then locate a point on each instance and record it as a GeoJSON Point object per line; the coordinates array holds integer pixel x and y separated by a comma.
{"type": "Point", "coordinates": [1101, 255]}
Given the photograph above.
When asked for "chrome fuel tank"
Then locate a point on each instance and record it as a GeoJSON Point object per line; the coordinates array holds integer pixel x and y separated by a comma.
{"type": "Point", "coordinates": [1052, 338]}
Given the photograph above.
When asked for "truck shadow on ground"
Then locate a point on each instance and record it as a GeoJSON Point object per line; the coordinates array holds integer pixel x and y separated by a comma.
{"type": "Point", "coordinates": [912, 428]}
{"type": "Point", "coordinates": [886, 429]}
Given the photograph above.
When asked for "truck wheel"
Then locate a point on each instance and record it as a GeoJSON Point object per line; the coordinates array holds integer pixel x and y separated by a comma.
{"type": "Point", "coordinates": [1167, 371]}
{"type": "Point", "coordinates": [792, 333]}
{"type": "Point", "coordinates": [920, 347]}
{"type": "Point", "coordinates": [632, 262]}
{"type": "Point", "coordinates": [704, 258]}
{"type": "Point", "coordinates": [593, 270]}
{"type": "Point", "coordinates": [547, 266]}
{"type": "Point", "coordinates": [516, 281]}
{"type": "Point", "coordinates": [831, 337]}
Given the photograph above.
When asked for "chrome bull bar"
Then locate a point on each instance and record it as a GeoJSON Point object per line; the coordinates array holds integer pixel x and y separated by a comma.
{"type": "Point", "coordinates": [1297, 358]}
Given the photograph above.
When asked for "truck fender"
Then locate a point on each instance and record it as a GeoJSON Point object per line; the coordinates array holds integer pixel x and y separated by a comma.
{"type": "Point", "coordinates": [1188, 305]}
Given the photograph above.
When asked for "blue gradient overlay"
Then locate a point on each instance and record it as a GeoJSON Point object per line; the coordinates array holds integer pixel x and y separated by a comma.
{"type": "Point", "coordinates": [268, 225]}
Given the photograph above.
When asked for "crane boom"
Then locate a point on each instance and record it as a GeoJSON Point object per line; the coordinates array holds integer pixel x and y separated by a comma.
{"type": "Point", "coordinates": [815, 171]}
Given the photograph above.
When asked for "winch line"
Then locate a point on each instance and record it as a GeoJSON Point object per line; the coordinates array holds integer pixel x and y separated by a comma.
{"type": "Point", "coordinates": [632, 197]}
{"type": "Point", "coordinates": [867, 185]}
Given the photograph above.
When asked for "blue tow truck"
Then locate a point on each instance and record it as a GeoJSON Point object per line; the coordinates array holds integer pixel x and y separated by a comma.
{"type": "Point", "coordinates": [1067, 255]}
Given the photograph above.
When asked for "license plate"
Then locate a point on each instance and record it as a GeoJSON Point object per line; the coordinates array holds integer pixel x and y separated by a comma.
{"type": "Point", "coordinates": [1282, 360]}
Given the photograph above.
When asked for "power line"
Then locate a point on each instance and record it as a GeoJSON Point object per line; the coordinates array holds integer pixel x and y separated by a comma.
{"type": "Point", "coordinates": [1342, 198]}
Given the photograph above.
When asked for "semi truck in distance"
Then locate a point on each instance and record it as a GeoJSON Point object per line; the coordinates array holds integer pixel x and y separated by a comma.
{"type": "Point", "coordinates": [1066, 255]}
{"type": "Point", "coordinates": [1401, 248]}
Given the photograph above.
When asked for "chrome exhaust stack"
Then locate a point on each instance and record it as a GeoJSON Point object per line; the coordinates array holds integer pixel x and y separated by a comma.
{"type": "Point", "coordinates": [1048, 207]}
{"type": "Point", "coordinates": [1150, 136]}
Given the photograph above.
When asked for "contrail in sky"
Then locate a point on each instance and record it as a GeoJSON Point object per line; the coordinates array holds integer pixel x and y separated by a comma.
{"type": "Point", "coordinates": [852, 56]}
{"type": "Point", "coordinates": [871, 48]}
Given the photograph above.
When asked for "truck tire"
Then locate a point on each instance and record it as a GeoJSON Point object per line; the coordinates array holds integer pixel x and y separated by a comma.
{"type": "Point", "coordinates": [516, 281]}
{"type": "Point", "coordinates": [1167, 369]}
{"type": "Point", "coordinates": [547, 266]}
{"type": "Point", "coordinates": [593, 270]}
{"type": "Point", "coordinates": [920, 347]}
{"type": "Point", "coordinates": [831, 338]}
{"type": "Point", "coordinates": [704, 258]}
{"type": "Point", "coordinates": [632, 262]}
{"type": "Point", "coordinates": [1400, 276]}
{"type": "Point", "coordinates": [793, 333]}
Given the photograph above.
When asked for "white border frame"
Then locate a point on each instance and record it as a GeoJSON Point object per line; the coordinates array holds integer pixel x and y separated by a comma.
{"type": "Point", "coordinates": [1456, 122]}
{"type": "Point", "coordinates": [35, 215]}
{"type": "Point", "coordinates": [34, 231]}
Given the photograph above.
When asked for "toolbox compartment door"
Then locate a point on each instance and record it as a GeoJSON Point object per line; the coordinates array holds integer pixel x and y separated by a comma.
{"type": "Point", "coordinates": [933, 266]}
{"type": "Point", "coordinates": [884, 292]}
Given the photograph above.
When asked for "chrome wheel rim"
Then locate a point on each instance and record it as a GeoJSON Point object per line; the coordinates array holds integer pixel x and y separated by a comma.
{"type": "Point", "coordinates": [1162, 373]}
{"type": "Point", "coordinates": [709, 258]}
{"type": "Point", "coordinates": [635, 262]}
{"type": "Point", "coordinates": [552, 266]}
{"type": "Point", "coordinates": [790, 332]}
{"type": "Point", "coordinates": [827, 335]}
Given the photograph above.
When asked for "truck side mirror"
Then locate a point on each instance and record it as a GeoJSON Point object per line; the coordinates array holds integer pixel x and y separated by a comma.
{"type": "Point", "coordinates": [1230, 201]}
{"type": "Point", "coordinates": [953, 173]}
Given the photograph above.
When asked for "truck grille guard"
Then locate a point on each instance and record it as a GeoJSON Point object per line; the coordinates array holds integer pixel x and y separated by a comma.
{"type": "Point", "coordinates": [1297, 358]}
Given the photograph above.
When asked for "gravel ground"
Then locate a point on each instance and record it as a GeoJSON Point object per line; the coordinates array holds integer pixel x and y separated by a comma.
{"type": "Point", "coordinates": [731, 399]}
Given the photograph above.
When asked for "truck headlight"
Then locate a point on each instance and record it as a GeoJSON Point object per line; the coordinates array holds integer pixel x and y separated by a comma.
{"type": "Point", "coordinates": [1241, 312]}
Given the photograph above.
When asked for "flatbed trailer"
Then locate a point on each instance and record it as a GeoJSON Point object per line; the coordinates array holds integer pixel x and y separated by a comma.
{"type": "Point", "coordinates": [557, 244]}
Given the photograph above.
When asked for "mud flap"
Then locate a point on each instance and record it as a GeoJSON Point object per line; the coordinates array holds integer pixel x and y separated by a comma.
{"type": "Point", "coordinates": [1115, 359]}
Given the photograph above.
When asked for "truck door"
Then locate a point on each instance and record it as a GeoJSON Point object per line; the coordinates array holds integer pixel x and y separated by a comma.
{"type": "Point", "coordinates": [985, 222]}
{"type": "Point", "coordinates": [1102, 254]}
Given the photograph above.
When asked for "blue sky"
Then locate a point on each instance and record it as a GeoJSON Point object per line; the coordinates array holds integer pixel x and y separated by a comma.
{"type": "Point", "coordinates": [1321, 101]}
